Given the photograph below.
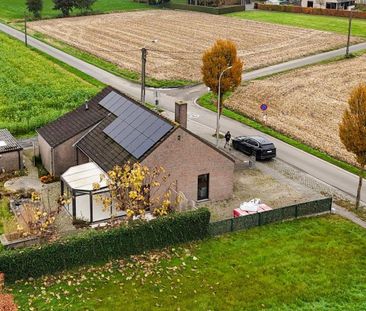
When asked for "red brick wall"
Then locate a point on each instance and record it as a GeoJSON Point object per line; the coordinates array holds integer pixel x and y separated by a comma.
{"type": "Point", "coordinates": [7, 303]}
{"type": "Point", "coordinates": [185, 157]}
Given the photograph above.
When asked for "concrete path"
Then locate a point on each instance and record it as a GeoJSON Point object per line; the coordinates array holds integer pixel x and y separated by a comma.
{"type": "Point", "coordinates": [31, 181]}
{"type": "Point", "coordinates": [316, 167]}
{"type": "Point", "coordinates": [349, 215]}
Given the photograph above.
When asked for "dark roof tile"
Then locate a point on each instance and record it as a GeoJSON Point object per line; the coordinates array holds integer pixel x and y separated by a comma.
{"type": "Point", "coordinates": [102, 149]}
{"type": "Point", "coordinates": [76, 121]}
{"type": "Point", "coordinates": [8, 142]}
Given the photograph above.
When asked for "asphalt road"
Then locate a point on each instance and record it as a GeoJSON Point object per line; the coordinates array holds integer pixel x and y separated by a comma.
{"type": "Point", "coordinates": [315, 167]}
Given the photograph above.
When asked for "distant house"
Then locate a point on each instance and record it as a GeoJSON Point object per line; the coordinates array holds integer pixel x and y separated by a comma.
{"type": "Point", "coordinates": [112, 129]}
{"type": "Point", "coordinates": [217, 3]}
{"type": "Point", "coordinates": [327, 4]}
{"type": "Point", "coordinates": [11, 153]}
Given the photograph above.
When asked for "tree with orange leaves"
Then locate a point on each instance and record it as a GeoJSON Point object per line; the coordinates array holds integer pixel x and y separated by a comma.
{"type": "Point", "coordinates": [215, 60]}
{"type": "Point", "coordinates": [352, 131]}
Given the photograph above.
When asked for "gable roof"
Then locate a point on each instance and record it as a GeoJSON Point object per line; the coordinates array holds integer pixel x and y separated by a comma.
{"type": "Point", "coordinates": [8, 142]}
{"type": "Point", "coordinates": [76, 121]}
{"type": "Point", "coordinates": [128, 133]}
{"type": "Point", "coordinates": [120, 129]}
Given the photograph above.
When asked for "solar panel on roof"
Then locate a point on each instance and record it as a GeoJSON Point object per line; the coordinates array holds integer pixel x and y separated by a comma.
{"type": "Point", "coordinates": [147, 144]}
{"type": "Point", "coordinates": [135, 129]}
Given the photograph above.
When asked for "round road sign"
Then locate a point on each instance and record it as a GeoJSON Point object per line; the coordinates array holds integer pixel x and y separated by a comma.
{"type": "Point", "coordinates": [264, 107]}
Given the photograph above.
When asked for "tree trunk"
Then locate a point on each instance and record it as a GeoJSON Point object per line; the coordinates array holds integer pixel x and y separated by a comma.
{"type": "Point", "coordinates": [358, 198]}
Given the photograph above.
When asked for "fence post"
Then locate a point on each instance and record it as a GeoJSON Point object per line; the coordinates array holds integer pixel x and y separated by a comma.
{"type": "Point", "coordinates": [259, 219]}
{"type": "Point", "coordinates": [231, 224]}
{"type": "Point", "coordinates": [296, 210]}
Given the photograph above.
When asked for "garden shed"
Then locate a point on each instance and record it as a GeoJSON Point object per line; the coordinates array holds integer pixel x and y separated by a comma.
{"type": "Point", "coordinates": [11, 153]}
{"type": "Point", "coordinates": [77, 183]}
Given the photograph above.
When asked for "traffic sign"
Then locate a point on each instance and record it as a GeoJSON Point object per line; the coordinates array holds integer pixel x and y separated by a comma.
{"type": "Point", "coordinates": [264, 107]}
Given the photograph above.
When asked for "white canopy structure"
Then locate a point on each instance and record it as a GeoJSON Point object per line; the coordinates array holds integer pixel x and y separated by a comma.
{"type": "Point", "coordinates": [78, 183]}
{"type": "Point", "coordinates": [82, 177]}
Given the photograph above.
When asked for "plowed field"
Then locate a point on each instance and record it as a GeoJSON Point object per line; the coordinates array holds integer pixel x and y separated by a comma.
{"type": "Point", "coordinates": [182, 37]}
{"type": "Point", "coordinates": [307, 103]}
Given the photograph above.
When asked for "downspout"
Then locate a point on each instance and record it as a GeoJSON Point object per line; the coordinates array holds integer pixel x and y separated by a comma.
{"type": "Point", "coordinates": [52, 162]}
{"type": "Point", "coordinates": [19, 163]}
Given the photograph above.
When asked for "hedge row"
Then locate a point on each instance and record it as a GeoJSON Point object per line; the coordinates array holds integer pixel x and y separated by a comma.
{"type": "Point", "coordinates": [205, 9]}
{"type": "Point", "coordinates": [312, 11]}
{"type": "Point", "coordinates": [98, 246]}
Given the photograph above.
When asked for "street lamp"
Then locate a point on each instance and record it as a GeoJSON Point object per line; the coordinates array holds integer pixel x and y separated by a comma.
{"type": "Point", "coordinates": [218, 106]}
{"type": "Point", "coordinates": [349, 28]}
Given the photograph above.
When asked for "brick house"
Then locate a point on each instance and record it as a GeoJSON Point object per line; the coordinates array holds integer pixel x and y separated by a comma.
{"type": "Point", "coordinates": [112, 129]}
{"type": "Point", "coordinates": [11, 153]}
{"type": "Point", "coordinates": [328, 4]}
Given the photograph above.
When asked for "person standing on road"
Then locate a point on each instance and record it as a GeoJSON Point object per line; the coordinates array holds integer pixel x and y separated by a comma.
{"type": "Point", "coordinates": [227, 139]}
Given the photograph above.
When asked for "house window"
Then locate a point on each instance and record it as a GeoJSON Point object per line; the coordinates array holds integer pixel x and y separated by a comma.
{"type": "Point", "coordinates": [203, 183]}
{"type": "Point", "coordinates": [310, 4]}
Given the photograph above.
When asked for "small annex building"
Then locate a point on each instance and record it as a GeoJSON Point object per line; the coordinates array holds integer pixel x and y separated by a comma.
{"type": "Point", "coordinates": [112, 129]}
{"type": "Point", "coordinates": [11, 153]}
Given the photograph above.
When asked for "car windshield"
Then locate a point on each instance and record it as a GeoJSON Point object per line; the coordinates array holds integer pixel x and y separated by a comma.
{"type": "Point", "coordinates": [261, 140]}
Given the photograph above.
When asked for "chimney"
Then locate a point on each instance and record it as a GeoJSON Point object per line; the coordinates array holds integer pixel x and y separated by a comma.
{"type": "Point", "coordinates": [181, 113]}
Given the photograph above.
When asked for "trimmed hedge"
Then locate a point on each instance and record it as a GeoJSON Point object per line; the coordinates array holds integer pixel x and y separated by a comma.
{"type": "Point", "coordinates": [312, 11]}
{"type": "Point", "coordinates": [205, 9]}
{"type": "Point", "coordinates": [99, 246]}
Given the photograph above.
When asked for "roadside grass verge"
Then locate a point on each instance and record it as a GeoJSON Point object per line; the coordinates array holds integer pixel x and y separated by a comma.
{"type": "Point", "coordinates": [309, 264]}
{"type": "Point", "coordinates": [207, 100]}
{"type": "Point", "coordinates": [36, 89]}
{"type": "Point", "coordinates": [11, 10]}
{"type": "Point", "coordinates": [325, 23]}
{"type": "Point", "coordinates": [130, 75]}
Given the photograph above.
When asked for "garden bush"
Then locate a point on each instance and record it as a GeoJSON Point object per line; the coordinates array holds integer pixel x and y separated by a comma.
{"type": "Point", "coordinates": [99, 246]}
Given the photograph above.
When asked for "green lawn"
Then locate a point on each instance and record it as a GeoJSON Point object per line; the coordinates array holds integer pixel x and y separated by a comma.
{"type": "Point", "coordinates": [327, 23]}
{"type": "Point", "coordinates": [35, 89]}
{"type": "Point", "coordinates": [309, 264]}
{"type": "Point", "coordinates": [14, 9]}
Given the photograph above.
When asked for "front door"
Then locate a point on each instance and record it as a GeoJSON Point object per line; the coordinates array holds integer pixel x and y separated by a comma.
{"type": "Point", "coordinates": [203, 185]}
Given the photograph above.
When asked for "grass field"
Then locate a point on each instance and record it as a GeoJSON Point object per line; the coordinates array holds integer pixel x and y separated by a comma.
{"type": "Point", "coordinates": [14, 9]}
{"type": "Point", "coordinates": [326, 23]}
{"type": "Point", "coordinates": [309, 264]}
{"type": "Point", "coordinates": [35, 89]}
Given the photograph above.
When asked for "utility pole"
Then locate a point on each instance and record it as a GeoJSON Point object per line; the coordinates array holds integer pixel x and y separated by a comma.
{"type": "Point", "coordinates": [349, 30]}
{"type": "Point", "coordinates": [25, 30]}
{"type": "Point", "coordinates": [143, 74]}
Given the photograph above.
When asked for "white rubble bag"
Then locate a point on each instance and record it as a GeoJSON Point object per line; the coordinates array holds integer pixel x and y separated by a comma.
{"type": "Point", "coordinates": [251, 206]}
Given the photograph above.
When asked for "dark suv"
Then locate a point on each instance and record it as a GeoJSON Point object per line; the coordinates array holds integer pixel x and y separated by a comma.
{"type": "Point", "coordinates": [255, 145]}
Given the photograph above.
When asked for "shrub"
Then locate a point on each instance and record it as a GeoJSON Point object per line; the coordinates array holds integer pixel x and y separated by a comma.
{"type": "Point", "coordinates": [84, 5]}
{"type": "Point", "coordinates": [35, 7]}
{"type": "Point", "coordinates": [99, 246]}
{"type": "Point", "coordinates": [65, 6]}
